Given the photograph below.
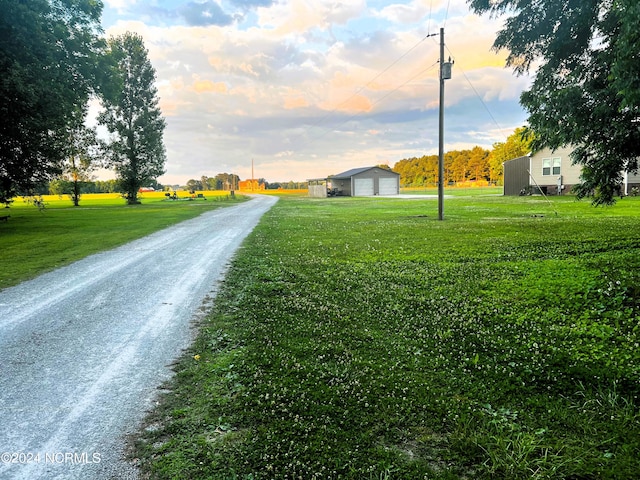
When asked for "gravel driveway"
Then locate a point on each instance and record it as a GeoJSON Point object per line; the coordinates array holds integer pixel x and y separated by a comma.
{"type": "Point", "coordinates": [84, 348]}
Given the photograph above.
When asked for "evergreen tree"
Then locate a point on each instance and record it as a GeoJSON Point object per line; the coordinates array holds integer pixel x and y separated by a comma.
{"type": "Point", "coordinates": [132, 116]}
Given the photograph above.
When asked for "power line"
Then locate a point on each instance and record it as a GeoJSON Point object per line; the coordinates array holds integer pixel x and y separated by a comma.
{"type": "Point", "coordinates": [322, 120]}
{"type": "Point", "coordinates": [429, 20]}
{"type": "Point", "coordinates": [446, 15]}
{"type": "Point", "coordinates": [361, 89]}
{"type": "Point", "coordinates": [351, 117]}
{"type": "Point", "coordinates": [478, 95]}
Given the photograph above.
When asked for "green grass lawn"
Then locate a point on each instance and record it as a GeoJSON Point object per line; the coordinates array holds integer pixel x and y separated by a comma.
{"type": "Point", "coordinates": [363, 339]}
{"type": "Point", "coordinates": [34, 241]}
{"type": "Point", "coordinates": [454, 191]}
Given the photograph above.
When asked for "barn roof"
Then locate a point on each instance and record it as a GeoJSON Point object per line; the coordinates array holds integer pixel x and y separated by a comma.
{"type": "Point", "coordinates": [354, 171]}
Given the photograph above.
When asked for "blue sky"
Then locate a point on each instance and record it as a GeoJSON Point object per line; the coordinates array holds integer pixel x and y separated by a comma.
{"type": "Point", "coordinates": [309, 88]}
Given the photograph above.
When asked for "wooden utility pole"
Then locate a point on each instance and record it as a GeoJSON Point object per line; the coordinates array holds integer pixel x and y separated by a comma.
{"type": "Point", "coordinates": [445, 74]}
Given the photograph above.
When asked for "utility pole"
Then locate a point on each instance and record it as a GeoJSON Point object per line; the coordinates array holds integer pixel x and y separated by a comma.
{"type": "Point", "coordinates": [445, 74]}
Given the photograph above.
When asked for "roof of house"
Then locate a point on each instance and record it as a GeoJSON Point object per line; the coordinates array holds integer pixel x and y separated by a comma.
{"type": "Point", "coordinates": [355, 171]}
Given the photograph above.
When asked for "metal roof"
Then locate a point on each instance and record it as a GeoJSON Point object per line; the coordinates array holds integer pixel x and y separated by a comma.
{"type": "Point", "coordinates": [355, 171]}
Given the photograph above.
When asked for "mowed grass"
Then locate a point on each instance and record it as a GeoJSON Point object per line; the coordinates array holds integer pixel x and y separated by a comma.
{"type": "Point", "coordinates": [364, 339]}
{"type": "Point", "coordinates": [454, 191]}
{"type": "Point", "coordinates": [34, 241]}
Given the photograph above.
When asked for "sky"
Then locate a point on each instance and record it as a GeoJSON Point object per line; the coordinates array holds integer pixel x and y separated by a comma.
{"type": "Point", "coordinates": [310, 88]}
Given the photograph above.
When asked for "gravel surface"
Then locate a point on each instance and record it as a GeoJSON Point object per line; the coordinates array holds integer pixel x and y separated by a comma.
{"type": "Point", "coordinates": [84, 348]}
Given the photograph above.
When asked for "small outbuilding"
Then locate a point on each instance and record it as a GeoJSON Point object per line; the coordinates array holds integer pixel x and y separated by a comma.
{"type": "Point", "coordinates": [364, 182]}
{"type": "Point", "coordinates": [516, 175]}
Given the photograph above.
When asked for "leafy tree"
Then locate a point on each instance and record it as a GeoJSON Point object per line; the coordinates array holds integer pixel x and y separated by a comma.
{"type": "Point", "coordinates": [459, 166]}
{"type": "Point", "coordinates": [224, 181]}
{"type": "Point", "coordinates": [627, 65]}
{"type": "Point", "coordinates": [518, 144]}
{"type": "Point", "coordinates": [157, 186]}
{"type": "Point", "coordinates": [478, 163]}
{"type": "Point", "coordinates": [133, 117]}
{"type": "Point", "coordinates": [83, 158]}
{"type": "Point", "coordinates": [49, 50]}
{"type": "Point", "coordinates": [585, 91]}
{"type": "Point", "coordinates": [193, 185]}
{"type": "Point", "coordinates": [107, 186]}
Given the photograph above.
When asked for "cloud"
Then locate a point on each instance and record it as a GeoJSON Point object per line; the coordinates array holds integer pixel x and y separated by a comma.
{"type": "Point", "coordinates": [120, 5]}
{"type": "Point", "coordinates": [295, 100]}
{"type": "Point", "coordinates": [205, 13]}
{"type": "Point", "coordinates": [302, 16]}
{"type": "Point", "coordinates": [404, 13]}
{"type": "Point", "coordinates": [248, 4]}
{"type": "Point", "coordinates": [207, 86]}
{"type": "Point", "coordinates": [308, 89]}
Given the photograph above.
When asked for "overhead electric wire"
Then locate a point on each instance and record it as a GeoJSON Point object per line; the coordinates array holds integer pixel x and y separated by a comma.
{"type": "Point", "coordinates": [378, 75]}
{"type": "Point", "coordinates": [446, 15]}
{"type": "Point", "coordinates": [322, 120]}
{"type": "Point", "coordinates": [361, 89]}
{"type": "Point", "coordinates": [351, 117]}
{"type": "Point", "coordinates": [477, 94]}
{"type": "Point", "coordinates": [429, 20]}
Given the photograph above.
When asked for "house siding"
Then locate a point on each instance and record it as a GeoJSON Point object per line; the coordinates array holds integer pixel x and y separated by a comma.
{"type": "Point", "coordinates": [633, 181]}
{"type": "Point", "coordinates": [549, 181]}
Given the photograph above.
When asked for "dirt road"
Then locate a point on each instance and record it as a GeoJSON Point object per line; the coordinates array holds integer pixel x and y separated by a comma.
{"type": "Point", "coordinates": [84, 348]}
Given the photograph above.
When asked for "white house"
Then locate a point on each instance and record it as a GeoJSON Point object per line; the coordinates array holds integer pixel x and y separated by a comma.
{"type": "Point", "coordinates": [550, 172]}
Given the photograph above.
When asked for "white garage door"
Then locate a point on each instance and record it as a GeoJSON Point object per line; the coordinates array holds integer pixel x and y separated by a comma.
{"type": "Point", "coordinates": [363, 187]}
{"type": "Point", "coordinates": [388, 186]}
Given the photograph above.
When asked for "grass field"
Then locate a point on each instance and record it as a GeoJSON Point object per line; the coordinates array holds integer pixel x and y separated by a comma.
{"type": "Point", "coordinates": [363, 339]}
{"type": "Point", "coordinates": [33, 241]}
{"type": "Point", "coordinates": [454, 191]}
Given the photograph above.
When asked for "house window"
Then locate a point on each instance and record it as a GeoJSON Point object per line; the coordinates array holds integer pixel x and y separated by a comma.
{"type": "Point", "coordinates": [551, 166]}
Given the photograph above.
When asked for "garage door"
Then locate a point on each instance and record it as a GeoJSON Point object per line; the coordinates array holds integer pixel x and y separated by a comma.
{"type": "Point", "coordinates": [363, 187]}
{"type": "Point", "coordinates": [388, 186]}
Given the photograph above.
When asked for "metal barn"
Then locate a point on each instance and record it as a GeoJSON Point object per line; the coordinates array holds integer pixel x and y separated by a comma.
{"type": "Point", "coordinates": [364, 182]}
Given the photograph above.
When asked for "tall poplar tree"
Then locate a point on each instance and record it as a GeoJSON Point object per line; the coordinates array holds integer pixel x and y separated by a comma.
{"type": "Point", "coordinates": [585, 92]}
{"type": "Point", "coordinates": [132, 116]}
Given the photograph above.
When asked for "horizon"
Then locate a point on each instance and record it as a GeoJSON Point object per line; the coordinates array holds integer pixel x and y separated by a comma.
{"type": "Point", "coordinates": [309, 92]}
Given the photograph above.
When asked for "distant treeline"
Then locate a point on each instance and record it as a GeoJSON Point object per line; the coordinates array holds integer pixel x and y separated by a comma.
{"type": "Point", "coordinates": [223, 181]}
{"type": "Point", "coordinates": [477, 164]}
{"type": "Point", "coordinates": [61, 187]}
{"type": "Point", "coordinates": [227, 181]}
{"type": "Point", "coordinates": [459, 166]}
